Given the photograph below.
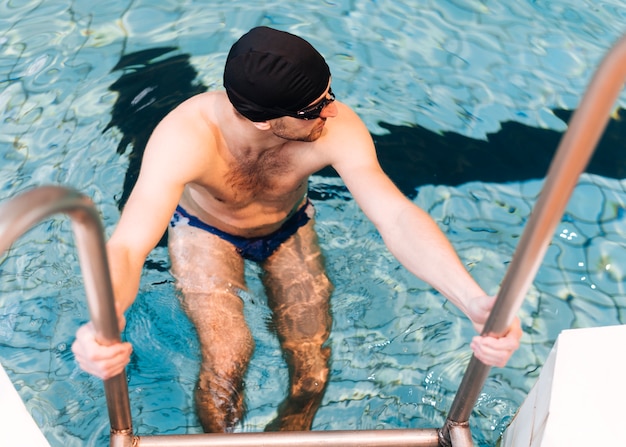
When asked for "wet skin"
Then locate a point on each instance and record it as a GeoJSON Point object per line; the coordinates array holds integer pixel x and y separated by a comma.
{"type": "Point", "coordinates": [210, 273]}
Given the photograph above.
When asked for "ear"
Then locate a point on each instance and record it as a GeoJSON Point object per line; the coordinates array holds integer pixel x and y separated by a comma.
{"type": "Point", "coordinates": [262, 125]}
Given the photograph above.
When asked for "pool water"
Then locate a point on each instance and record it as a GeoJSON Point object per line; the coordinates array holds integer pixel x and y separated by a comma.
{"type": "Point", "coordinates": [428, 78]}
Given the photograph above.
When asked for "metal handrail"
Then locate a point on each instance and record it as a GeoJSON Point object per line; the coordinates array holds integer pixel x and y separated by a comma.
{"type": "Point", "coordinates": [575, 149]}
{"type": "Point", "coordinates": [343, 438]}
{"type": "Point", "coordinates": [21, 213]}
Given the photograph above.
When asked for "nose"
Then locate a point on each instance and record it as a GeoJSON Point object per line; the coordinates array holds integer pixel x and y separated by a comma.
{"type": "Point", "coordinates": [330, 111]}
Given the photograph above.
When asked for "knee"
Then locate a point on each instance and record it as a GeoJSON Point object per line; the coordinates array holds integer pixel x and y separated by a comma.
{"type": "Point", "coordinates": [310, 387]}
{"type": "Point", "coordinates": [220, 379]}
{"type": "Point", "coordinates": [315, 382]}
{"type": "Point", "coordinates": [323, 285]}
{"type": "Point", "coordinates": [227, 356]}
{"type": "Point", "coordinates": [310, 372]}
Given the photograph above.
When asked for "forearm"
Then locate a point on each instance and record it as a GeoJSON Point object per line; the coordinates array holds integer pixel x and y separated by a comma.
{"type": "Point", "coordinates": [424, 250]}
{"type": "Point", "coordinates": [125, 275]}
{"type": "Point", "coordinates": [417, 242]}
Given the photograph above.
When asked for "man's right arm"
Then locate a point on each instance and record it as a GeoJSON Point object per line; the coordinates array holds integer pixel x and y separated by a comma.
{"type": "Point", "coordinates": [168, 165]}
{"type": "Point", "coordinates": [142, 223]}
{"type": "Point", "coordinates": [140, 228]}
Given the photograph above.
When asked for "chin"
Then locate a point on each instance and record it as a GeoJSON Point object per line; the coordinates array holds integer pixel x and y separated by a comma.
{"type": "Point", "coordinates": [316, 134]}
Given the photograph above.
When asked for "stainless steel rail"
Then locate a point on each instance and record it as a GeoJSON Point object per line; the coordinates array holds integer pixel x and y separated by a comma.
{"type": "Point", "coordinates": [347, 438]}
{"type": "Point", "coordinates": [573, 154]}
{"type": "Point", "coordinates": [20, 214]}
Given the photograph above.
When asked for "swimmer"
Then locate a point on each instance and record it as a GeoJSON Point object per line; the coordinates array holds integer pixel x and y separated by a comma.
{"type": "Point", "coordinates": [226, 173]}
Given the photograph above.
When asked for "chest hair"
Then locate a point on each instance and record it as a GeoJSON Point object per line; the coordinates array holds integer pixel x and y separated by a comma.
{"type": "Point", "coordinates": [262, 172]}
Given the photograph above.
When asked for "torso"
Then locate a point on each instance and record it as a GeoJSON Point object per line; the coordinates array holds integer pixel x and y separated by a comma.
{"type": "Point", "coordinates": [245, 197]}
{"type": "Point", "coordinates": [257, 218]}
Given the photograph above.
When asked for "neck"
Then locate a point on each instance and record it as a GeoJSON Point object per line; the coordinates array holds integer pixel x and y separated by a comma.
{"type": "Point", "coordinates": [246, 139]}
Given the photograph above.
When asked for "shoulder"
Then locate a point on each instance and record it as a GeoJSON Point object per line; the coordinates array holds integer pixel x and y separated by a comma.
{"type": "Point", "coordinates": [192, 122]}
{"type": "Point", "coordinates": [348, 138]}
{"type": "Point", "coordinates": [197, 111]}
{"type": "Point", "coordinates": [184, 141]}
{"type": "Point", "coordinates": [347, 126]}
{"type": "Point", "coordinates": [346, 114]}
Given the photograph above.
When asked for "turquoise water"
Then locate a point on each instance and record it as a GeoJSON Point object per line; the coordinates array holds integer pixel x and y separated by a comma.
{"type": "Point", "coordinates": [399, 350]}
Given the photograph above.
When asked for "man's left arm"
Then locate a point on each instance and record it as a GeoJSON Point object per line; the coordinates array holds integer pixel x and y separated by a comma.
{"type": "Point", "coordinates": [414, 238]}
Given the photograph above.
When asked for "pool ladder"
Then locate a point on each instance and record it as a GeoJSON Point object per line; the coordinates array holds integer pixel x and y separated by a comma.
{"type": "Point", "coordinates": [575, 149]}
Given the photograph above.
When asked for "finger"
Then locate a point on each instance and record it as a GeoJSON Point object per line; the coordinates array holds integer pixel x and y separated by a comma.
{"type": "Point", "coordinates": [101, 354]}
{"type": "Point", "coordinates": [496, 351]}
{"type": "Point", "coordinates": [114, 366]}
{"type": "Point", "coordinates": [101, 361]}
{"type": "Point", "coordinates": [107, 362]}
{"type": "Point", "coordinates": [490, 355]}
{"type": "Point", "coordinates": [509, 342]}
{"type": "Point", "coordinates": [86, 342]}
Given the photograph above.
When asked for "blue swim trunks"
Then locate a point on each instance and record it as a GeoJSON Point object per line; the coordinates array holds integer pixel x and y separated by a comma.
{"type": "Point", "coordinates": [256, 249]}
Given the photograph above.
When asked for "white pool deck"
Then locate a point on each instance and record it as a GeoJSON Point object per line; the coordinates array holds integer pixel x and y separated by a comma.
{"type": "Point", "coordinates": [17, 427]}
{"type": "Point", "coordinates": [578, 399]}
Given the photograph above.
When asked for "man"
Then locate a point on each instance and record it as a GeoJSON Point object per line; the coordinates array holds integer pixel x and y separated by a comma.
{"type": "Point", "coordinates": [228, 172]}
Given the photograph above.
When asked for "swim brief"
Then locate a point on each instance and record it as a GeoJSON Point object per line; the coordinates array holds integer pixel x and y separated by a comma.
{"type": "Point", "coordinates": [256, 249]}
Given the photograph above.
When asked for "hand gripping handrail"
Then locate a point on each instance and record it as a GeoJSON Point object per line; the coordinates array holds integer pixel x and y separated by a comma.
{"type": "Point", "coordinates": [573, 154]}
{"type": "Point", "coordinates": [17, 216]}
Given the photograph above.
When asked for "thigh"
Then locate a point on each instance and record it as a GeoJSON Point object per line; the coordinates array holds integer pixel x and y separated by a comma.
{"type": "Point", "coordinates": [298, 288]}
{"type": "Point", "coordinates": [202, 261]}
{"type": "Point", "coordinates": [210, 275]}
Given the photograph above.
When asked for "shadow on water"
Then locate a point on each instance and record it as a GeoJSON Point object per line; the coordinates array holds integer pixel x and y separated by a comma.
{"type": "Point", "coordinates": [414, 156]}
{"type": "Point", "coordinates": [150, 86]}
{"type": "Point", "coordinates": [147, 90]}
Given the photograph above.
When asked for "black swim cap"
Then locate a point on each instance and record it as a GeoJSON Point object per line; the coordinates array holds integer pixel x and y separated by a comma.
{"type": "Point", "coordinates": [271, 73]}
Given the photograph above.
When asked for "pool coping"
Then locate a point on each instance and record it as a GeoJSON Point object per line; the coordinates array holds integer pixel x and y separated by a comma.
{"type": "Point", "coordinates": [17, 426]}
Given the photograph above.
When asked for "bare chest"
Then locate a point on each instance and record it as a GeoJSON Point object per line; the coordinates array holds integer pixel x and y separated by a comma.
{"type": "Point", "coordinates": [269, 172]}
{"type": "Point", "coordinates": [269, 180]}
